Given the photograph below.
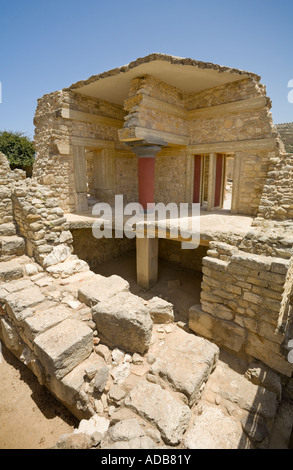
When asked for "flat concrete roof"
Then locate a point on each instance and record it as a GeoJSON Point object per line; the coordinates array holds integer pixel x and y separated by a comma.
{"type": "Point", "coordinates": [188, 75]}
{"type": "Point", "coordinates": [212, 225]}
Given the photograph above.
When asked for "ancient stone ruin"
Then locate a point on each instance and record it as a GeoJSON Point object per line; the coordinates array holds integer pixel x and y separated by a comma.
{"type": "Point", "coordinates": [135, 373]}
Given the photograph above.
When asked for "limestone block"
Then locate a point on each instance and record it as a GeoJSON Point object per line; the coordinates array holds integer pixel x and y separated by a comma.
{"type": "Point", "coordinates": [18, 285]}
{"type": "Point", "coordinates": [9, 334]}
{"type": "Point", "coordinates": [101, 288]}
{"type": "Point", "coordinates": [58, 254]}
{"type": "Point", "coordinates": [159, 407]}
{"type": "Point", "coordinates": [101, 378]}
{"type": "Point", "coordinates": [234, 387]}
{"type": "Point", "coordinates": [127, 434]}
{"type": "Point", "coordinates": [222, 332]}
{"type": "Point", "coordinates": [68, 267]}
{"type": "Point", "coordinates": [268, 352]}
{"type": "Point", "coordinates": [116, 394]}
{"type": "Point", "coordinates": [123, 321]}
{"type": "Point", "coordinates": [259, 374]}
{"type": "Point", "coordinates": [39, 322]}
{"type": "Point", "coordinates": [160, 310]}
{"type": "Point", "coordinates": [10, 270]}
{"type": "Point", "coordinates": [31, 269]}
{"type": "Point", "coordinates": [64, 346]}
{"type": "Point", "coordinates": [213, 430]}
{"type": "Point", "coordinates": [7, 229]}
{"type": "Point", "coordinates": [18, 302]}
{"type": "Point", "coordinates": [215, 264]}
{"type": "Point", "coordinates": [94, 424]}
{"type": "Point", "coordinates": [12, 245]}
{"type": "Point", "coordinates": [185, 361]}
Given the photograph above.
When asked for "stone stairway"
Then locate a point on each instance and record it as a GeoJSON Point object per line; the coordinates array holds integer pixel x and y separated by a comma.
{"type": "Point", "coordinates": [12, 247]}
{"type": "Point", "coordinates": [175, 392]}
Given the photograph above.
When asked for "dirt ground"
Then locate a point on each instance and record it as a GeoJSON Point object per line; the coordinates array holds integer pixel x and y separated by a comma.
{"type": "Point", "coordinates": [30, 417]}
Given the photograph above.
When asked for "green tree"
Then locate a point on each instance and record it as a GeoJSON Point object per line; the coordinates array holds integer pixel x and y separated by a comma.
{"type": "Point", "coordinates": [18, 148]}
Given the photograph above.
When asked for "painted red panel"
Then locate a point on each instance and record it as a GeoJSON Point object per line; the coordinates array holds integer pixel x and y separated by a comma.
{"type": "Point", "coordinates": [146, 181]}
{"type": "Point", "coordinates": [196, 178]}
{"type": "Point", "coordinates": [219, 175]}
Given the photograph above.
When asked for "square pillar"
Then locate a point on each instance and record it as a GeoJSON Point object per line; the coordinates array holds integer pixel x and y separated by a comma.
{"type": "Point", "coordinates": [236, 183]}
{"type": "Point", "coordinates": [212, 181]}
{"type": "Point", "coordinates": [80, 178]}
{"type": "Point", "coordinates": [147, 261]}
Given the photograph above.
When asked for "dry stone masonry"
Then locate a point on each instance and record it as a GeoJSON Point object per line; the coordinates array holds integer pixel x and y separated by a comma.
{"type": "Point", "coordinates": [135, 377]}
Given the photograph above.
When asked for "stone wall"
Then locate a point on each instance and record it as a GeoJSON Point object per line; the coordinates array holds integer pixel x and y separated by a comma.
{"type": "Point", "coordinates": [163, 111]}
{"type": "Point", "coordinates": [286, 133]}
{"type": "Point", "coordinates": [170, 179]}
{"type": "Point", "coordinates": [97, 251]}
{"type": "Point", "coordinates": [40, 220]}
{"type": "Point", "coordinates": [170, 250]}
{"type": "Point", "coordinates": [277, 198]}
{"type": "Point", "coordinates": [61, 119]}
{"type": "Point", "coordinates": [243, 300]}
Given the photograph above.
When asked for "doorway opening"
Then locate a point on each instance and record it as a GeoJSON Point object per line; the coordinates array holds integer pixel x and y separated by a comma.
{"type": "Point", "coordinates": [213, 181]}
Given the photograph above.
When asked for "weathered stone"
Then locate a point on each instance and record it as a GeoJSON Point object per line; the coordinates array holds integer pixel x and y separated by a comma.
{"type": "Point", "coordinates": [158, 406]}
{"type": "Point", "coordinates": [64, 346]}
{"type": "Point", "coordinates": [59, 254]}
{"type": "Point", "coordinates": [127, 434]}
{"type": "Point", "coordinates": [91, 426]}
{"type": "Point", "coordinates": [255, 428]}
{"type": "Point", "coordinates": [259, 374]}
{"type": "Point", "coordinates": [234, 387]}
{"type": "Point", "coordinates": [121, 372]}
{"type": "Point", "coordinates": [117, 355]}
{"type": "Point", "coordinates": [10, 334]}
{"type": "Point", "coordinates": [68, 267]}
{"type": "Point", "coordinates": [31, 269]}
{"type": "Point", "coordinates": [137, 359]}
{"type": "Point", "coordinates": [101, 378]}
{"type": "Point", "coordinates": [185, 361]}
{"type": "Point", "coordinates": [12, 245]}
{"type": "Point", "coordinates": [74, 441]}
{"type": "Point", "coordinates": [102, 288]}
{"type": "Point", "coordinates": [124, 322]}
{"type": "Point", "coordinates": [18, 301]}
{"type": "Point", "coordinates": [116, 394]}
{"type": "Point", "coordinates": [10, 270]}
{"type": "Point", "coordinates": [103, 351]}
{"type": "Point", "coordinates": [18, 285]}
{"type": "Point", "coordinates": [222, 332]}
{"type": "Point", "coordinates": [160, 310]}
{"type": "Point", "coordinates": [213, 430]}
{"type": "Point", "coordinates": [45, 319]}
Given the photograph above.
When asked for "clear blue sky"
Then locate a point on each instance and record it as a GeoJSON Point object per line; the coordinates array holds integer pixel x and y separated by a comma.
{"type": "Point", "coordinates": [48, 45]}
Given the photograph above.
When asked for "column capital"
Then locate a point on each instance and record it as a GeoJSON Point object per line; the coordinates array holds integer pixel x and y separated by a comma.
{"type": "Point", "coordinates": [145, 150]}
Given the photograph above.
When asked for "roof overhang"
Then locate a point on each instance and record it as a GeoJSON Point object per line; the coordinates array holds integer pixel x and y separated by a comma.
{"type": "Point", "coordinates": [186, 74]}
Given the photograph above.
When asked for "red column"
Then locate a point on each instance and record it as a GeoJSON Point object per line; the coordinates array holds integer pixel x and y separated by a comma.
{"type": "Point", "coordinates": [146, 181]}
{"type": "Point", "coordinates": [146, 173]}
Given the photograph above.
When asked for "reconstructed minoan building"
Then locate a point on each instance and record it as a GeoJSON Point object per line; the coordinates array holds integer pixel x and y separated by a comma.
{"type": "Point", "coordinates": [168, 129]}
{"type": "Point", "coordinates": [175, 120]}
{"type": "Point", "coordinates": [161, 129]}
